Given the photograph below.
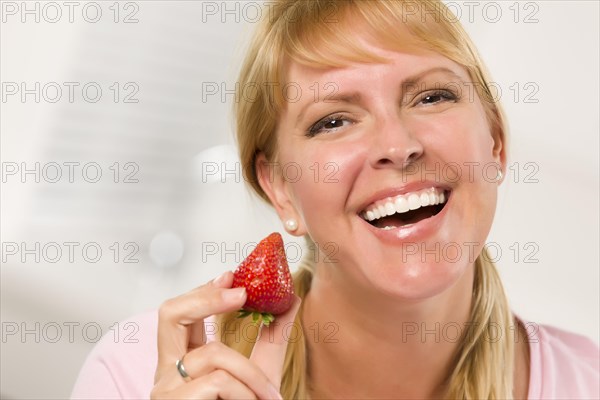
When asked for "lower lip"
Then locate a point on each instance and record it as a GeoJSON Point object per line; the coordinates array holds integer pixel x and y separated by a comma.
{"type": "Point", "coordinates": [418, 231]}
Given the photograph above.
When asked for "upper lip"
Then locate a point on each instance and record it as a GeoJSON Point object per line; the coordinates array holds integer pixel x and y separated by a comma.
{"type": "Point", "coordinates": [404, 189]}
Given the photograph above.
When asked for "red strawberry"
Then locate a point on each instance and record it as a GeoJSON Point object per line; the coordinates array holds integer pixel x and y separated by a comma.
{"type": "Point", "coordinates": [266, 276]}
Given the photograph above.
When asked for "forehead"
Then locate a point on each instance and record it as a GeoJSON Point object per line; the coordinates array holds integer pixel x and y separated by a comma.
{"type": "Point", "coordinates": [398, 64]}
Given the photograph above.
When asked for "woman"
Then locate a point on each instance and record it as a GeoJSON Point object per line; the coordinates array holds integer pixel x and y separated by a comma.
{"type": "Point", "coordinates": [384, 108]}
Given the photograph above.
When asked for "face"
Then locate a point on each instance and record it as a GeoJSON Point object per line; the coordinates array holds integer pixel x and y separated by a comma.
{"type": "Point", "coordinates": [409, 138]}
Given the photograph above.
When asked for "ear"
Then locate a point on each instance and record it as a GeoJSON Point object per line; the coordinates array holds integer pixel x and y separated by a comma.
{"type": "Point", "coordinates": [499, 150]}
{"type": "Point", "coordinates": [277, 189]}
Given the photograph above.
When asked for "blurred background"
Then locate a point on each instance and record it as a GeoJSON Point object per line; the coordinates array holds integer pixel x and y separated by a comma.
{"type": "Point", "coordinates": [121, 187]}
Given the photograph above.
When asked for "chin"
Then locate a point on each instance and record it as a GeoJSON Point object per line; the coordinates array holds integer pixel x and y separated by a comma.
{"type": "Point", "coordinates": [414, 280]}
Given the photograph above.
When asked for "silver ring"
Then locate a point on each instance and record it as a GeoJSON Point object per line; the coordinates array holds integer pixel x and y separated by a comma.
{"type": "Point", "coordinates": [181, 370]}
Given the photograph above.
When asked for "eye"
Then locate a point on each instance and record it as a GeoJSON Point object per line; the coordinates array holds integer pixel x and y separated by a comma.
{"type": "Point", "coordinates": [328, 124]}
{"type": "Point", "coordinates": [438, 96]}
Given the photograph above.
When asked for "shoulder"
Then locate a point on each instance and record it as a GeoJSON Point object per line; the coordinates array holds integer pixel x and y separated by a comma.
{"type": "Point", "coordinates": [123, 362]}
{"type": "Point", "coordinates": [563, 364]}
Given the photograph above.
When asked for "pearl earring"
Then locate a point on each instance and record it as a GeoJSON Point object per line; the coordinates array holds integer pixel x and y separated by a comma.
{"type": "Point", "coordinates": [291, 225]}
{"type": "Point", "coordinates": [499, 176]}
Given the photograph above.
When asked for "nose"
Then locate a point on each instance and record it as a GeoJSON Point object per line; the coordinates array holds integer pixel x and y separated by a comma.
{"type": "Point", "coordinates": [394, 145]}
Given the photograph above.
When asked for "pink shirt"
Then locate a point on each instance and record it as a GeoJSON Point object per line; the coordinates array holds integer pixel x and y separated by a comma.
{"type": "Point", "coordinates": [564, 365]}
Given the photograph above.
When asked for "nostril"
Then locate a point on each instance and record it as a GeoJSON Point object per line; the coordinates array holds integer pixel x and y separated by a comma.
{"type": "Point", "coordinates": [385, 161]}
{"type": "Point", "coordinates": [413, 156]}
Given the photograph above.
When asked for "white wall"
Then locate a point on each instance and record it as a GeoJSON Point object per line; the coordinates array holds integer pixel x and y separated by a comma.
{"type": "Point", "coordinates": [173, 216]}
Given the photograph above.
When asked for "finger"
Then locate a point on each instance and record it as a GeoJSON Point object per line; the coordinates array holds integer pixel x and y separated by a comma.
{"type": "Point", "coordinates": [270, 348]}
{"type": "Point", "coordinates": [178, 314]}
{"type": "Point", "coordinates": [217, 385]}
{"type": "Point", "coordinates": [197, 330]}
{"type": "Point", "coordinates": [222, 385]}
{"type": "Point", "coordinates": [216, 355]}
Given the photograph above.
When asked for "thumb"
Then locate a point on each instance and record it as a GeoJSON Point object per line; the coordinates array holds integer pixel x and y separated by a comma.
{"type": "Point", "coordinates": [270, 348]}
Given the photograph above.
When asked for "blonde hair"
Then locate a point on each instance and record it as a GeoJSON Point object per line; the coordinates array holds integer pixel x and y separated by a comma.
{"type": "Point", "coordinates": [318, 33]}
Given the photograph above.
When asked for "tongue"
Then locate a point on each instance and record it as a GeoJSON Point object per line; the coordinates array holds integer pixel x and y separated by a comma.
{"type": "Point", "coordinates": [406, 218]}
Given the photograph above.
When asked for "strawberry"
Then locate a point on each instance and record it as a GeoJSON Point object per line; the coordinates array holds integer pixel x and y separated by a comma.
{"type": "Point", "coordinates": [266, 276]}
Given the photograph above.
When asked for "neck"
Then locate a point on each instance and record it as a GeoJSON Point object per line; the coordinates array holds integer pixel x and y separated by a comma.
{"type": "Point", "coordinates": [376, 346]}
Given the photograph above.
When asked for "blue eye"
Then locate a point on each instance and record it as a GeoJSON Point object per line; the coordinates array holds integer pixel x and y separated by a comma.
{"type": "Point", "coordinates": [328, 124]}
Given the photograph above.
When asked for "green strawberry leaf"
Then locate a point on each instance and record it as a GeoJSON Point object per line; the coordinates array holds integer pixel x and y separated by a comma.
{"type": "Point", "coordinates": [267, 318]}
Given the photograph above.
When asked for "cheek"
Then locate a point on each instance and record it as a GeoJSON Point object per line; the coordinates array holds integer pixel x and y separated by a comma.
{"type": "Point", "coordinates": [463, 140]}
{"type": "Point", "coordinates": [323, 176]}
{"type": "Point", "coordinates": [461, 144]}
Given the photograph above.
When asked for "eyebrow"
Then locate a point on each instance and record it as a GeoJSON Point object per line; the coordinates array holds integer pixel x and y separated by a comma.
{"type": "Point", "coordinates": [355, 97]}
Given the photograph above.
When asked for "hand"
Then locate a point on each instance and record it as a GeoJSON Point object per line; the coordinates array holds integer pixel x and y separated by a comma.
{"type": "Point", "coordinates": [215, 370]}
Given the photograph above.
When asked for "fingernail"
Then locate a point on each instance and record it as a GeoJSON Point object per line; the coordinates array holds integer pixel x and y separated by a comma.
{"type": "Point", "coordinates": [236, 294]}
{"type": "Point", "coordinates": [274, 393]}
{"type": "Point", "coordinates": [219, 279]}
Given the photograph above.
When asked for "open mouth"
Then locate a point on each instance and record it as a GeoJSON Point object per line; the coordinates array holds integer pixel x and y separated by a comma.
{"type": "Point", "coordinates": [406, 209]}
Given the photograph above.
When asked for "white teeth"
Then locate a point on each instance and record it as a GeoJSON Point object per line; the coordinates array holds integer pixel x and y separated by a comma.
{"type": "Point", "coordinates": [387, 228]}
{"type": "Point", "coordinates": [390, 208]}
{"type": "Point", "coordinates": [433, 199]}
{"type": "Point", "coordinates": [403, 203]}
{"type": "Point", "coordinates": [414, 202]}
